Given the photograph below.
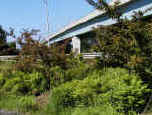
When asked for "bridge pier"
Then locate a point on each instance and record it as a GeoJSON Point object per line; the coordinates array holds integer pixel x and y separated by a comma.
{"type": "Point", "coordinates": [76, 43]}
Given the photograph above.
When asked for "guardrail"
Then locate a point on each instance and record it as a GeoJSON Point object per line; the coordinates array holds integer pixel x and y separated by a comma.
{"type": "Point", "coordinates": [8, 58]}
{"type": "Point", "coordinates": [91, 55]}
{"type": "Point", "coordinates": [85, 56]}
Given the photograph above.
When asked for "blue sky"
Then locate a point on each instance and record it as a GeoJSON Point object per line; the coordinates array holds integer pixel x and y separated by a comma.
{"type": "Point", "coordinates": [21, 14]}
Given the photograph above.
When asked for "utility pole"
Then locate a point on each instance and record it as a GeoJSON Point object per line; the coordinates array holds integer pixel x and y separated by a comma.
{"type": "Point", "coordinates": [46, 5]}
{"type": "Point", "coordinates": [45, 2]}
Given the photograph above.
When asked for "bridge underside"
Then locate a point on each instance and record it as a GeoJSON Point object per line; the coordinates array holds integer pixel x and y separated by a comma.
{"type": "Point", "coordinates": [80, 44]}
{"type": "Point", "coordinates": [84, 43]}
{"type": "Point", "coordinates": [82, 37]}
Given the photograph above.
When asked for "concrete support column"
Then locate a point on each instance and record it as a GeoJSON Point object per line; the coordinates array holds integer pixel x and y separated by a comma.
{"type": "Point", "coordinates": [76, 43]}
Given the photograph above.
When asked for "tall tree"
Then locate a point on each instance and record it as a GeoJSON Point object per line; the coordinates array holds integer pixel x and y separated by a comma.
{"type": "Point", "coordinates": [3, 36]}
{"type": "Point", "coordinates": [6, 48]}
{"type": "Point", "coordinates": [112, 10]}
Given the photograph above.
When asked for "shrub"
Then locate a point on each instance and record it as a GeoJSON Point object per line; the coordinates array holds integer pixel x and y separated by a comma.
{"type": "Point", "coordinates": [34, 52]}
{"type": "Point", "coordinates": [124, 91]}
{"type": "Point", "coordinates": [6, 67]}
{"type": "Point", "coordinates": [77, 70]}
{"type": "Point", "coordinates": [2, 80]}
{"type": "Point", "coordinates": [27, 103]}
{"type": "Point", "coordinates": [23, 83]}
{"type": "Point", "coordinates": [56, 76]}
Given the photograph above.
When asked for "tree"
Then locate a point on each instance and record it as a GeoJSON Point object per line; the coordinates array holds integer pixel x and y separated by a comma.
{"type": "Point", "coordinates": [113, 10]}
{"type": "Point", "coordinates": [128, 43]}
{"type": "Point", "coordinates": [7, 48]}
{"type": "Point", "coordinates": [35, 55]}
{"type": "Point", "coordinates": [3, 35]}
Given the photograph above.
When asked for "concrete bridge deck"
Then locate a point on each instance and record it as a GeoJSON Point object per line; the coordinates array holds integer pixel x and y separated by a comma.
{"type": "Point", "coordinates": [98, 18]}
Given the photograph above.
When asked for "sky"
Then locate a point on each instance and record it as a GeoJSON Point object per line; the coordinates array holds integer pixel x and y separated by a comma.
{"type": "Point", "coordinates": [30, 14]}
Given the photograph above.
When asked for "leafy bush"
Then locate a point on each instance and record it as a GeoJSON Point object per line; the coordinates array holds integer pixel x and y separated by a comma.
{"type": "Point", "coordinates": [23, 83]}
{"type": "Point", "coordinates": [124, 91]}
{"type": "Point", "coordinates": [127, 45]}
{"type": "Point", "coordinates": [56, 76]}
{"type": "Point", "coordinates": [6, 67]}
{"type": "Point", "coordinates": [77, 70]}
{"type": "Point", "coordinates": [35, 52]}
{"type": "Point", "coordinates": [2, 80]}
{"type": "Point", "coordinates": [128, 42]}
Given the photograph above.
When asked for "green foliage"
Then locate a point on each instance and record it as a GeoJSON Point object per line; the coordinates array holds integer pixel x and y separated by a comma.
{"type": "Point", "coordinates": [3, 35]}
{"type": "Point", "coordinates": [125, 92]}
{"type": "Point", "coordinates": [77, 70]}
{"type": "Point", "coordinates": [35, 53]}
{"type": "Point", "coordinates": [8, 102]}
{"type": "Point", "coordinates": [127, 44]}
{"type": "Point", "coordinates": [113, 11]}
{"type": "Point", "coordinates": [23, 83]}
{"type": "Point", "coordinates": [56, 76]}
{"type": "Point", "coordinates": [99, 110]}
{"type": "Point", "coordinates": [28, 103]}
{"type": "Point", "coordinates": [18, 104]}
{"type": "Point", "coordinates": [6, 48]}
{"type": "Point", "coordinates": [3, 44]}
{"type": "Point", "coordinates": [2, 80]}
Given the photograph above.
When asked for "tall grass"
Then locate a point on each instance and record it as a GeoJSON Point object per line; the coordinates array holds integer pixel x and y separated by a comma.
{"type": "Point", "coordinates": [21, 104]}
{"type": "Point", "coordinates": [8, 102]}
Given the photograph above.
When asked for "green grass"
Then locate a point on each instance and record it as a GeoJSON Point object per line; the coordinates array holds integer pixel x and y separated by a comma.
{"type": "Point", "coordinates": [22, 104]}
{"type": "Point", "coordinates": [13, 103]}
{"type": "Point", "coordinates": [8, 102]}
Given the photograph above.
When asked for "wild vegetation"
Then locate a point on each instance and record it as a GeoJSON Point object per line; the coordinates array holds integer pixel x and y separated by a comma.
{"type": "Point", "coordinates": [46, 81]}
